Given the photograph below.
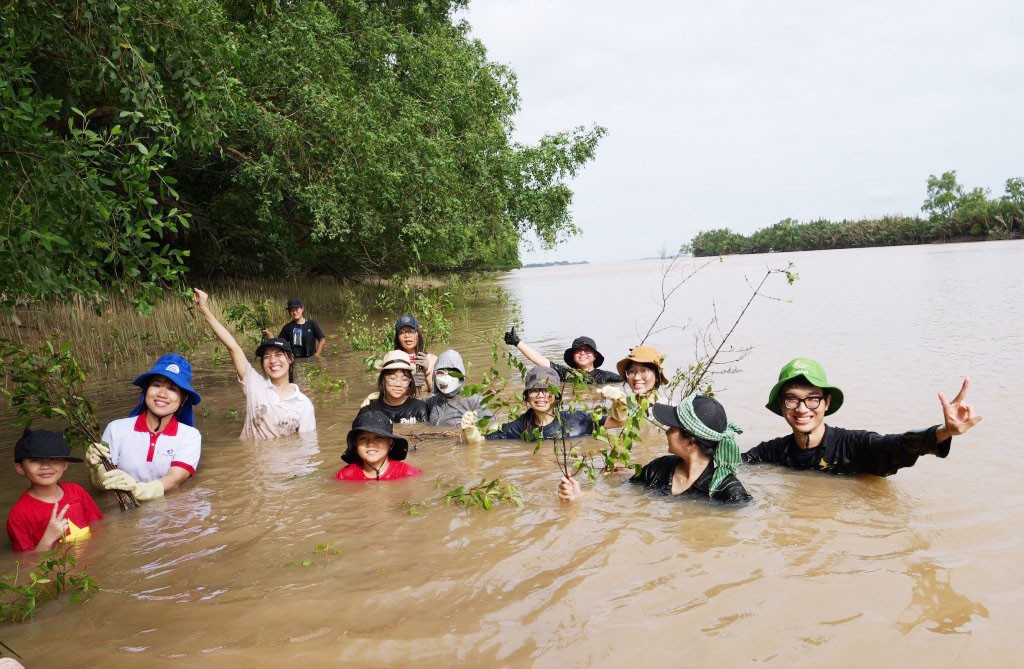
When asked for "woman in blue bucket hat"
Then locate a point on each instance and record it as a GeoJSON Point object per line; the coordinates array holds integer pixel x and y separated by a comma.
{"type": "Point", "coordinates": [157, 447]}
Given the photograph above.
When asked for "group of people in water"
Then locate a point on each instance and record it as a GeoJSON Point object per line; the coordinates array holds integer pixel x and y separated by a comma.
{"type": "Point", "coordinates": [157, 447]}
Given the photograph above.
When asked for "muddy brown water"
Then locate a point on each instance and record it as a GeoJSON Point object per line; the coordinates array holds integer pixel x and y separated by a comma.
{"type": "Point", "coordinates": [921, 568]}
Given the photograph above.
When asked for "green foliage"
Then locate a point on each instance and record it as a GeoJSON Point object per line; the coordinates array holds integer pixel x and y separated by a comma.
{"type": "Point", "coordinates": [89, 192]}
{"type": "Point", "coordinates": [55, 574]}
{"type": "Point", "coordinates": [322, 555]}
{"type": "Point", "coordinates": [321, 380]}
{"type": "Point", "coordinates": [251, 138]}
{"type": "Point", "coordinates": [250, 318]}
{"type": "Point", "coordinates": [47, 383]}
{"type": "Point", "coordinates": [953, 214]}
{"type": "Point", "coordinates": [485, 495]}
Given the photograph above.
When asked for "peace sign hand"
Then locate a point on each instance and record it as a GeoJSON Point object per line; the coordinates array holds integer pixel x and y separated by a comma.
{"type": "Point", "coordinates": [958, 415]}
{"type": "Point", "coordinates": [55, 529]}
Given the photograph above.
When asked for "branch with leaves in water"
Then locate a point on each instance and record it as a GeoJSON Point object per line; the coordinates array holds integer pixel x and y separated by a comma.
{"type": "Point", "coordinates": [47, 383]}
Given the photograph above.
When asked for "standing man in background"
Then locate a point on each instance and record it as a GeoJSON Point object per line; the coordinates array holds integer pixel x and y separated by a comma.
{"type": "Point", "coordinates": [305, 336]}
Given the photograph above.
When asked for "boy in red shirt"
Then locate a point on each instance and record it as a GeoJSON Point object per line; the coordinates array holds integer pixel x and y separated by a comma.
{"type": "Point", "coordinates": [48, 511]}
{"type": "Point", "coordinates": [374, 453]}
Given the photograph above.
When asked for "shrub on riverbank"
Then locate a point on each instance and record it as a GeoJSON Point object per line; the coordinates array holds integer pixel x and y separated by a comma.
{"type": "Point", "coordinates": [954, 214]}
{"type": "Point", "coordinates": [145, 138]}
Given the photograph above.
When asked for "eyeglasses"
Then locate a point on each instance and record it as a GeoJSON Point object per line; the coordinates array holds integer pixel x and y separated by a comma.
{"type": "Point", "coordinates": [812, 402]}
{"type": "Point", "coordinates": [634, 372]}
{"type": "Point", "coordinates": [398, 379]}
{"type": "Point", "coordinates": [538, 391]}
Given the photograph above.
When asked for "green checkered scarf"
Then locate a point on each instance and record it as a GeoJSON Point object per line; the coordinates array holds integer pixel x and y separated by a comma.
{"type": "Point", "coordinates": [727, 452]}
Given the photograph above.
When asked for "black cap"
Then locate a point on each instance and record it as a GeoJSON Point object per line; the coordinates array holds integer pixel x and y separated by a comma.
{"type": "Point", "coordinates": [377, 423]}
{"type": "Point", "coordinates": [43, 445]}
{"type": "Point", "coordinates": [709, 411]}
{"type": "Point", "coordinates": [293, 303]}
{"type": "Point", "coordinates": [580, 342]}
{"type": "Point", "coordinates": [279, 342]}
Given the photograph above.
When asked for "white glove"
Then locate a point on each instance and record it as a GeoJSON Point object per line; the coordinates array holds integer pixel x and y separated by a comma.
{"type": "Point", "coordinates": [470, 432]}
{"type": "Point", "coordinates": [118, 479]}
{"type": "Point", "coordinates": [369, 398]}
{"type": "Point", "coordinates": [95, 453]}
{"type": "Point", "coordinates": [612, 393]}
{"type": "Point", "coordinates": [619, 410]}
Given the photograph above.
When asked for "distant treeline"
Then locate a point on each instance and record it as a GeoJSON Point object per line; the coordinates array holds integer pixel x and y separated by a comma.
{"type": "Point", "coordinates": [953, 214]}
{"type": "Point", "coordinates": [559, 262]}
{"type": "Point", "coordinates": [261, 138]}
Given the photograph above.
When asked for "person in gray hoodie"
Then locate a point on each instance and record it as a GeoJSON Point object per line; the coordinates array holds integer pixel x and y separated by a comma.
{"type": "Point", "coordinates": [446, 405]}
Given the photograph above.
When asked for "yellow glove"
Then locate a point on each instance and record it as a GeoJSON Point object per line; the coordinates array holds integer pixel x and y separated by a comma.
{"type": "Point", "coordinates": [369, 398]}
{"type": "Point", "coordinates": [470, 432]}
{"type": "Point", "coordinates": [95, 453]}
{"type": "Point", "coordinates": [619, 410]}
{"type": "Point", "coordinates": [118, 479]}
{"type": "Point", "coordinates": [148, 490]}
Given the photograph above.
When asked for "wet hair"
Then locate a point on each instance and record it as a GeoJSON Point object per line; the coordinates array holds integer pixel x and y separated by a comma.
{"type": "Point", "coordinates": [649, 365]}
{"type": "Point", "coordinates": [381, 386]}
{"type": "Point", "coordinates": [291, 363]}
{"type": "Point", "coordinates": [420, 346]}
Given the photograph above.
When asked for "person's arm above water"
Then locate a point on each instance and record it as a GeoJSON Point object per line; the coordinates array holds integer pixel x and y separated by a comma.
{"type": "Point", "coordinates": [238, 358]}
{"type": "Point", "coordinates": [534, 356]}
{"type": "Point", "coordinates": [318, 335]}
{"type": "Point", "coordinates": [958, 416]}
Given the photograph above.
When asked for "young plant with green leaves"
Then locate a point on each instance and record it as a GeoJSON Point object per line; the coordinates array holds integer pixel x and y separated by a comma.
{"type": "Point", "coordinates": [484, 495]}
{"type": "Point", "coordinates": [57, 572]}
{"type": "Point", "coordinates": [46, 382]}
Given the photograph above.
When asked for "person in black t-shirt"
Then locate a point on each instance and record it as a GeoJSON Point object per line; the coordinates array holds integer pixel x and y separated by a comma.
{"type": "Point", "coordinates": [396, 392]}
{"type": "Point", "coordinates": [703, 455]}
{"type": "Point", "coordinates": [803, 396]}
{"type": "Point", "coordinates": [305, 336]}
{"type": "Point", "coordinates": [582, 355]}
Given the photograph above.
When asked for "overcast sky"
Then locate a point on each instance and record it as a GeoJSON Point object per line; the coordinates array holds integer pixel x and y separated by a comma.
{"type": "Point", "coordinates": [739, 114]}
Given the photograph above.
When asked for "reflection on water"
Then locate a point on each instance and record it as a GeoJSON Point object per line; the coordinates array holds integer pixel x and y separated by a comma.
{"type": "Point", "coordinates": [914, 569]}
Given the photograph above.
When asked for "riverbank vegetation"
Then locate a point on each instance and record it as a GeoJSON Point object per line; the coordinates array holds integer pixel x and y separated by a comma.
{"type": "Point", "coordinates": [953, 214]}
{"type": "Point", "coordinates": [143, 139]}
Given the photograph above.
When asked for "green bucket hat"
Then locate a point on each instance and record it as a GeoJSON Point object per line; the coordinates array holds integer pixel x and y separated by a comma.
{"type": "Point", "coordinates": [813, 373]}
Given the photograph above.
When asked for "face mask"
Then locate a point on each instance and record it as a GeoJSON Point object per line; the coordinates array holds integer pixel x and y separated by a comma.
{"type": "Point", "coordinates": [448, 384]}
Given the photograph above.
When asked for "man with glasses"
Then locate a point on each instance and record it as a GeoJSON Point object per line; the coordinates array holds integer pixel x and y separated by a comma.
{"type": "Point", "coordinates": [804, 397]}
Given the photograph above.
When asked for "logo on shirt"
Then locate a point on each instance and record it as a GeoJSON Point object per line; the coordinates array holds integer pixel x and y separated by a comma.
{"type": "Point", "coordinates": [174, 369]}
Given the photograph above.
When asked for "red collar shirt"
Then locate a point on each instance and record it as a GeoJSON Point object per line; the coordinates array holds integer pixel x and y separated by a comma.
{"type": "Point", "coordinates": [148, 456]}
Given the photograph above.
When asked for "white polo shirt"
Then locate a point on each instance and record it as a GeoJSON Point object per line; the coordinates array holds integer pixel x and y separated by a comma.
{"type": "Point", "coordinates": [146, 455]}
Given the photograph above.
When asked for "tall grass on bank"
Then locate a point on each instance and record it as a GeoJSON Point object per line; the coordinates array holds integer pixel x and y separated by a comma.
{"type": "Point", "coordinates": [116, 334]}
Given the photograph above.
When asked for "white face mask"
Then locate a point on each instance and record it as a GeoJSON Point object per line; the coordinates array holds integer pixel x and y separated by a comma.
{"type": "Point", "coordinates": [448, 384]}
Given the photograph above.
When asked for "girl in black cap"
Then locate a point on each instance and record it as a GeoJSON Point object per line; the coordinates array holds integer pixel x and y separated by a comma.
{"type": "Point", "coordinates": [374, 453]}
{"type": "Point", "coordinates": [703, 455]}
{"type": "Point", "coordinates": [274, 406]}
{"type": "Point", "coordinates": [582, 355]}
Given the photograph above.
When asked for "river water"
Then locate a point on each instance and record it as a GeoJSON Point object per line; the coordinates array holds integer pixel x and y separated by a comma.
{"type": "Point", "coordinates": [921, 568]}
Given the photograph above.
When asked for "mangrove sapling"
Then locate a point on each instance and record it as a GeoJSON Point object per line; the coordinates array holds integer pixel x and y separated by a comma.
{"type": "Point", "coordinates": [54, 574]}
{"type": "Point", "coordinates": [46, 383]}
{"type": "Point", "coordinates": [321, 381]}
{"type": "Point", "coordinates": [485, 495]}
{"type": "Point", "coordinates": [249, 319]}
{"type": "Point", "coordinates": [709, 346]}
{"type": "Point", "coordinates": [323, 552]}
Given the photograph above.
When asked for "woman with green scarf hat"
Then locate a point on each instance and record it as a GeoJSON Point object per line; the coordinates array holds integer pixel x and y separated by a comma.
{"type": "Point", "coordinates": [803, 396]}
{"type": "Point", "coordinates": [703, 455]}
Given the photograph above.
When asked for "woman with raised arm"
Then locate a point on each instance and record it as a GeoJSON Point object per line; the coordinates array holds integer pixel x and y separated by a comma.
{"type": "Point", "coordinates": [274, 406]}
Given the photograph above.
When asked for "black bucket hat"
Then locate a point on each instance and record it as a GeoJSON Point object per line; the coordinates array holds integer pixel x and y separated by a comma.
{"type": "Point", "coordinates": [580, 342]}
{"type": "Point", "coordinates": [43, 445]}
{"type": "Point", "coordinates": [293, 303]}
{"type": "Point", "coordinates": [708, 410]}
{"type": "Point", "coordinates": [377, 423]}
{"type": "Point", "coordinates": [279, 342]}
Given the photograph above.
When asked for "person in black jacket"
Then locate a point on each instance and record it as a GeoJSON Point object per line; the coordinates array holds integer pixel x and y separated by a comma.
{"type": "Point", "coordinates": [703, 455]}
{"type": "Point", "coordinates": [804, 397]}
{"type": "Point", "coordinates": [582, 355]}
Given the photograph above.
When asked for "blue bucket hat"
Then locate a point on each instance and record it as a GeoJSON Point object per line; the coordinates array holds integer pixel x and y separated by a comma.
{"type": "Point", "coordinates": [178, 370]}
